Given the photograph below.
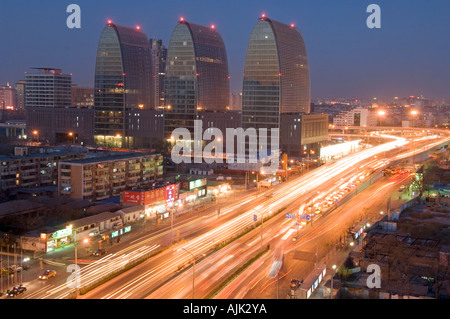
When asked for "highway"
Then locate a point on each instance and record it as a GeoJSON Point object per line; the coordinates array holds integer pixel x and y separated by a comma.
{"type": "Point", "coordinates": [162, 276]}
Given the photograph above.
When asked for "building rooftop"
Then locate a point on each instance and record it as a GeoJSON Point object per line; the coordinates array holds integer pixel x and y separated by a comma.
{"type": "Point", "coordinates": [109, 158]}
{"type": "Point", "coordinates": [41, 152]}
{"type": "Point", "coordinates": [16, 206]}
{"type": "Point", "coordinates": [89, 220]}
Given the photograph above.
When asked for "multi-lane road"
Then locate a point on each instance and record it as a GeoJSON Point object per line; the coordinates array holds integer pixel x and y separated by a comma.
{"type": "Point", "coordinates": [168, 275]}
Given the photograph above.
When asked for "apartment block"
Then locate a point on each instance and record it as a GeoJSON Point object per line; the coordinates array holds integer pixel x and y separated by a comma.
{"type": "Point", "coordinates": [38, 167]}
{"type": "Point", "coordinates": [104, 177]}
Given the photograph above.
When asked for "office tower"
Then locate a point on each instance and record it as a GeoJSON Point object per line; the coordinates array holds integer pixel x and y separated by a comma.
{"type": "Point", "coordinates": [82, 97]}
{"type": "Point", "coordinates": [48, 87]}
{"type": "Point", "coordinates": [236, 101]}
{"type": "Point", "coordinates": [20, 95]}
{"type": "Point", "coordinates": [7, 97]}
{"type": "Point", "coordinates": [276, 75]}
{"type": "Point", "coordinates": [196, 75]}
{"type": "Point", "coordinates": [159, 56]}
{"type": "Point", "coordinates": [123, 83]}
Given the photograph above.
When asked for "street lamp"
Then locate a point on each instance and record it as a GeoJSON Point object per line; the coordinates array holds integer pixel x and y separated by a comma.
{"type": "Point", "coordinates": [193, 270]}
{"type": "Point", "coordinates": [381, 114]}
{"type": "Point", "coordinates": [332, 276]}
{"type": "Point", "coordinates": [36, 135]}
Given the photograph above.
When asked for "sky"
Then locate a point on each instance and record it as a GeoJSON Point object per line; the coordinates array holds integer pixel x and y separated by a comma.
{"type": "Point", "coordinates": [408, 55]}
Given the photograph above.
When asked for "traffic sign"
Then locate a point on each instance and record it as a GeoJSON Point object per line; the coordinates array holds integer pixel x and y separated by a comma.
{"type": "Point", "coordinates": [290, 215]}
{"type": "Point", "coordinates": [255, 217]}
{"type": "Point", "coordinates": [305, 217]}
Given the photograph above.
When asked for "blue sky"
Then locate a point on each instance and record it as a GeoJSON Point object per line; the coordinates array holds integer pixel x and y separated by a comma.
{"type": "Point", "coordinates": [409, 55]}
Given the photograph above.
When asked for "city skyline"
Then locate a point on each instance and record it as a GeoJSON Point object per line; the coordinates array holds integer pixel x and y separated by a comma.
{"type": "Point", "coordinates": [346, 58]}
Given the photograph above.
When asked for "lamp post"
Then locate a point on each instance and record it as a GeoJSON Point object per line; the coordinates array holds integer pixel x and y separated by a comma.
{"type": "Point", "coordinates": [332, 276]}
{"type": "Point", "coordinates": [381, 114]}
{"type": "Point", "coordinates": [262, 221]}
{"type": "Point", "coordinates": [193, 270]}
{"type": "Point", "coordinates": [36, 135]}
{"type": "Point", "coordinates": [414, 113]}
{"type": "Point", "coordinates": [115, 141]}
{"type": "Point", "coordinates": [72, 137]}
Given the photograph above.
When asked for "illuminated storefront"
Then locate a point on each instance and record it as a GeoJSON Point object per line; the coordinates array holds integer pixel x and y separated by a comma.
{"type": "Point", "coordinates": [58, 239]}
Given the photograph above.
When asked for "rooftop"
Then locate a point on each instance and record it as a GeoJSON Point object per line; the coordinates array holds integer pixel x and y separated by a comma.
{"type": "Point", "coordinates": [90, 220]}
{"type": "Point", "coordinates": [109, 158]}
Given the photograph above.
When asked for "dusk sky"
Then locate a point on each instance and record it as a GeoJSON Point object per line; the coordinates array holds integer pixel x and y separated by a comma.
{"type": "Point", "coordinates": [409, 55]}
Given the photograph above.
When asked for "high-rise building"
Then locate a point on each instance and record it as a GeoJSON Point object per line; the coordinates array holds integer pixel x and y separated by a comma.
{"type": "Point", "coordinates": [197, 75]}
{"type": "Point", "coordinates": [7, 97]}
{"type": "Point", "coordinates": [82, 97]}
{"type": "Point", "coordinates": [276, 75]}
{"type": "Point", "coordinates": [48, 87]}
{"type": "Point", "coordinates": [236, 101]}
{"type": "Point", "coordinates": [159, 56]}
{"type": "Point", "coordinates": [123, 82]}
{"type": "Point", "coordinates": [20, 95]}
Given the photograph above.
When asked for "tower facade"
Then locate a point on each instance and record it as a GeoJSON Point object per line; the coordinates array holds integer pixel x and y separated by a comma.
{"type": "Point", "coordinates": [123, 83]}
{"type": "Point", "coordinates": [276, 75]}
{"type": "Point", "coordinates": [197, 75]}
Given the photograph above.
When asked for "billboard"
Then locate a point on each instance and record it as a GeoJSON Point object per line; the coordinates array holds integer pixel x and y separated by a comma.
{"type": "Point", "coordinates": [165, 194]}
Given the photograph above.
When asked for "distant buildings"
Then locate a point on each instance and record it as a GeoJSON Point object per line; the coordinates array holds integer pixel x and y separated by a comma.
{"type": "Point", "coordinates": [82, 97]}
{"type": "Point", "coordinates": [358, 117]}
{"type": "Point", "coordinates": [159, 57]}
{"type": "Point", "coordinates": [236, 102]}
{"type": "Point", "coordinates": [197, 75]}
{"type": "Point", "coordinates": [34, 167]}
{"type": "Point", "coordinates": [123, 83]}
{"type": "Point", "coordinates": [68, 125]}
{"type": "Point", "coordinates": [7, 97]}
{"type": "Point", "coordinates": [20, 95]}
{"type": "Point", "coordinates": [103, 177]}
{"type": "Point", "coordinates": [48, 87]}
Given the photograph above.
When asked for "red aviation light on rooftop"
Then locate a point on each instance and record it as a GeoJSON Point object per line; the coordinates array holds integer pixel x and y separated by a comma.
{"type": "Point", "coordinates": [181, 19]}
{"type": "Point", "coordinates": [292, 25]}
{"type": "Point", "coordinates": [213, 26]}
{"type": "Point", "coordinates": [138, 27]}
{"type": "Point", "coordinates": [109, 21]}
{"type": "Point", "coordinates": [263, 15]}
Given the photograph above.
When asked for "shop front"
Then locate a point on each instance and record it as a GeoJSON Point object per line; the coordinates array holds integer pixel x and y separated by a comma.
{"type": "Point", "coordinates": [58, 239]}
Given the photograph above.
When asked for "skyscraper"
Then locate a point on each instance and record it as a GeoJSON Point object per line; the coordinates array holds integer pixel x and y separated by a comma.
{"type": "Point", "coordinates": [276, 75]}
{"type": "Point", "coordinates": [196, 75]}
{"type": "Point", "coordinates": [123, 83]}
{"type": "Point", "coordinates": [48, 87]}
{"type": "Point", "coordinates": [159, 56]}
{"type": "Point", "coordinates": [7, 97]}
{"type": "Point", "coordinates": [20, 95]}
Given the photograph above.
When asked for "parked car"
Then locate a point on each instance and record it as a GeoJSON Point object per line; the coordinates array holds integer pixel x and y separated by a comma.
{"type": "Point", "coordinates": [99, 252]}
{"type": "Point", "coordinates": [47, 274]}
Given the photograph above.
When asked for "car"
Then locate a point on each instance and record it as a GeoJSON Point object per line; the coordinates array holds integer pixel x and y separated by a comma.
{"type": "Point", "coordinates": [47, 274]}
{"type": "Point", "coordinates": [16, 291]}
{"type": "Point", "coordinates": [99, 252]}
{"type": "Point", "coordinates": [402, 187]}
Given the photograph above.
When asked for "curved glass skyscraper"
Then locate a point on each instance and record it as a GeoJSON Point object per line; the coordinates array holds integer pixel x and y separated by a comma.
{"type": "Point", "coordinates": [276, 75]}
{"type": "Point", "coordinates": [123, 82]}
{"type": "Point", "coordinates": [196, 75]}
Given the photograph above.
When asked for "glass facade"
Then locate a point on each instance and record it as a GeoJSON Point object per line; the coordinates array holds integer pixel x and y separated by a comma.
{"type": "Point", "coordinates": [196, 75]}
{"type": "Point", "coordinates": [123, 82]}
{"type": "Point", "coordinates": [276, 75]}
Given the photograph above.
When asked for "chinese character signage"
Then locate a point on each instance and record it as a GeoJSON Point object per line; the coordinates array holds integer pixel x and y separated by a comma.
{"type": "Point", "coordinates": [171, 193]}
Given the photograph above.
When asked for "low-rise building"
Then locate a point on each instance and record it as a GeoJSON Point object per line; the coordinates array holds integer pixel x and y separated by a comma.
{"type": "Point", "coordinates": [105, 177]}
{"type": "Point", "coordinates": [35, 167]}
